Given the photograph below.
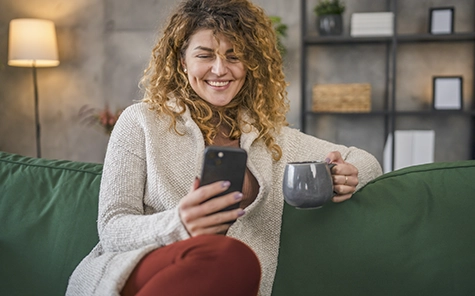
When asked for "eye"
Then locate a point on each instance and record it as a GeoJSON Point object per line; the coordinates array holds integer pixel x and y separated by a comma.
{"type": "Point", "coordinates": [204, 56]}
{"type": "Point", "coordinates": [232, 58]}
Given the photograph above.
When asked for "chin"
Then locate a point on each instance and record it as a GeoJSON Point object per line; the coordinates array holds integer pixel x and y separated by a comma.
{"type": "Point", "coordinates": [219, 103]}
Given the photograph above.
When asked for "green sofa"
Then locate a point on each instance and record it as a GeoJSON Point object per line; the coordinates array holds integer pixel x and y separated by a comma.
{"type": "Point", "coordinates": [409, 232]}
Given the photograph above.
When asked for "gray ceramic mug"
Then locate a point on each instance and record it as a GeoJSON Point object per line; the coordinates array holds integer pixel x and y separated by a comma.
{"type": "Point", "coordinates": [307, 185]}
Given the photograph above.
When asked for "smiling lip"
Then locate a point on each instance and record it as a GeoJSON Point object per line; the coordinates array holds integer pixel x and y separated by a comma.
{"type": "Point", "coordinates": [218, 83]}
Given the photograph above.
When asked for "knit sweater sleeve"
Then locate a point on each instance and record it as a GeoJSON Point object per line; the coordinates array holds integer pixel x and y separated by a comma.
{"type": "Point", "coordinates": [304, 147]}
{"type": "Point", "coordinates": [123, 224]}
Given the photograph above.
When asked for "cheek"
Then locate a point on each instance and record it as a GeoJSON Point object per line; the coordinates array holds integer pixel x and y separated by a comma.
{"type": "Point", "coordinates": [242, 72]}
{"type": "Point", "coordinates": [197, 72]}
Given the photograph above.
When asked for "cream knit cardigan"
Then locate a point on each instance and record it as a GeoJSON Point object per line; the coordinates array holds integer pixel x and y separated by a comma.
{"type": "Point", "coordinates": [148, 169]}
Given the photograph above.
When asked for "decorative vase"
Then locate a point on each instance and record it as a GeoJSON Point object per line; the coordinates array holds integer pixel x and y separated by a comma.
{"type": "Point", "coordinates": [330, 24]}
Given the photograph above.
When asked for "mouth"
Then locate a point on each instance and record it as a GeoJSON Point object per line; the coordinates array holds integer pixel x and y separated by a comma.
{"type": "Point", "coordinates": [217, 83]}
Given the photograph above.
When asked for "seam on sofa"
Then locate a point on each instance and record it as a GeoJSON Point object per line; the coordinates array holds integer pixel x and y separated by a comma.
{"type": "Point", "coordinates": [54, 166]}
{"type": "Point", "coordinates": [424, 168]}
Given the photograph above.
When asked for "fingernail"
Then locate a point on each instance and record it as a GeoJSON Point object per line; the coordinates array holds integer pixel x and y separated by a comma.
{"type": "Point", "coordinates": [327, 160]}
{"type": "Point", "coordinates": [225, 184]}
{"type": "Point", "coordinates": [238, 196]}
{"type": "Point", "coordinates": [241, 213]}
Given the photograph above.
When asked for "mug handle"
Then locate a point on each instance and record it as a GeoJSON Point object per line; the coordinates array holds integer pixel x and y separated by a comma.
{"type": "Point", "coordinates": [330, 166]}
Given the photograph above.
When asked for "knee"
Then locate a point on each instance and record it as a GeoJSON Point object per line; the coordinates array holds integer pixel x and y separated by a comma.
{"type": "Point", "coordinates": [234, 250]}
{"type": "Point", "coordinates": [229, 250]}
{"type": "Point", "coordinates": [232, 258]}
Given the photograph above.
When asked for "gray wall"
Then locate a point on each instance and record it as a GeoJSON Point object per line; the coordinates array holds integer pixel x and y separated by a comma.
{"type": "Point", "coordinates": [104, 46]}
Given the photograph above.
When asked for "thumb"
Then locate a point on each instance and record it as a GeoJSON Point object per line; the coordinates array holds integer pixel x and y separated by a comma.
{"type": "Point", "coordinates": [196, 184]}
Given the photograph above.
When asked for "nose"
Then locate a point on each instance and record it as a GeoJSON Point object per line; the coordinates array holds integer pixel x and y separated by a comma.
{"type": "Point", "coordinates": [219, 66]}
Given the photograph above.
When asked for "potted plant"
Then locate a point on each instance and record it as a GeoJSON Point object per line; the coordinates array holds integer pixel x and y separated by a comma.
{"type": "Point", "coordinates": [329, 17]}
{"type": "Point", "coordinates": [102, 117]}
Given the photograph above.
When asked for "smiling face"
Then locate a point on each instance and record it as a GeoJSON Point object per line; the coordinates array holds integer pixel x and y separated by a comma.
{"type": "Point", "coordinates": [214, 71]}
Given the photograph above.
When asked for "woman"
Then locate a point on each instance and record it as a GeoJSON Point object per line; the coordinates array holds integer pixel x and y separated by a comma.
{"type": "Point", "coordinates": [215, 78]}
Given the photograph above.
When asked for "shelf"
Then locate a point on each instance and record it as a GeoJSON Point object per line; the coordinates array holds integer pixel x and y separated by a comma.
{"type": "Point", "coordinates": [436, 38]}
{"type": "Point", "coordinates": [315, 39]}
{"type": "Point", "coordinates": [397, 113]}
{"type": "Point", "coordinates": [405, 38]}
{"type": "Point", "coordinates": [435, 113]}
{"type": "Point", "coordinates": [372, 113]}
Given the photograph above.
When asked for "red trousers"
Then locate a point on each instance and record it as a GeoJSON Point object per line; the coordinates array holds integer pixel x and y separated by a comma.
{"type": "Point", "coordinates": [203, 265]}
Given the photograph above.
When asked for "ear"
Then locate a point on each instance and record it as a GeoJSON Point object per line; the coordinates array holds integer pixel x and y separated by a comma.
{"type": "Point", "coordinates": [183, 64]}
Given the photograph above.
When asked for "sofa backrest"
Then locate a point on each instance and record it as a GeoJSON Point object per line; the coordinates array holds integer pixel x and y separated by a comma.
{"type": "Point", "coordinates": [48, 212]}
{"type": "Point", "coordinates": [409, 232]}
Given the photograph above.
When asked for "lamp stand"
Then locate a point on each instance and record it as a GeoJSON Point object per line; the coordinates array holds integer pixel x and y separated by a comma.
{"type": "Point", "coordinates": [37, 114]}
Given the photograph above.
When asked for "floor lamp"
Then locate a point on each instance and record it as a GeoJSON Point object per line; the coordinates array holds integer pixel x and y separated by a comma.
{"type": "Point", "coordinates": [32, 43]}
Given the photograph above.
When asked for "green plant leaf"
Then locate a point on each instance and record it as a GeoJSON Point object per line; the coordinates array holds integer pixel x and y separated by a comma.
{"type": "Point", "coordinates": [281, 31]}
{"type": "Point", "coordinates": [325, 7]}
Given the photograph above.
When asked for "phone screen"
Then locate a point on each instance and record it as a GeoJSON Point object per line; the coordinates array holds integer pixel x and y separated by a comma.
{"type": "Point", "coordinates": [224, 164]}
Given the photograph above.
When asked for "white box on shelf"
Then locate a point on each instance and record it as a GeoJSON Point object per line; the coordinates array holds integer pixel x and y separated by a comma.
{"type": "Point", "coordinates": [362, 23]}
{"type": "Point", "coordinates": [370, 16]}
{"type": "Point", "coordinates": [371, 32]}
{"type": "Point", "coordinates": [412, 147]}
{"type": "Point", "coordinates": [372, 24]}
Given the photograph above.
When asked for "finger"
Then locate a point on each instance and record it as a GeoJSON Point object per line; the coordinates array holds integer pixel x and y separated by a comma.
{"type": "Point", "coordinates": [215, 223]}
{"type": "Point", "coordinates": [223, 217]}
{"type": "Point", "coordinates": [209, 207]}
{"type": "Point", "coordinates": [204, 193]}
{"type": "Point", "coordinates": [343, 197]}
{"type": "Point", "coordinates": [345, 180]}
{"type": "Point", "coordinates": [219, 203]}
{"type": "Point", "coordinates": [343, 189]}
{"type": "Point", "coordinates": [345, 169]}
{"type": "Point", "coordinates": [218, 229]}
{"type": "Point", "coordinates": [334, 157]}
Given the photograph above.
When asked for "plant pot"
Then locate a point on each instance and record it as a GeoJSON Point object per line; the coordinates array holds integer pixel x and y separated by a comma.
{"type": "Point", "coordinates": [330, 24]}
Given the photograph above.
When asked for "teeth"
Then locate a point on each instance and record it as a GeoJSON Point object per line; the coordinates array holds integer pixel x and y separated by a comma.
{"type": "Point", "coordinates": [218, 83]}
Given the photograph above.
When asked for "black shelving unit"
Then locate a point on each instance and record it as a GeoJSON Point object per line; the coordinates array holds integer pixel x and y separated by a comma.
{"type": "Point", "coordinates": [389, 114]}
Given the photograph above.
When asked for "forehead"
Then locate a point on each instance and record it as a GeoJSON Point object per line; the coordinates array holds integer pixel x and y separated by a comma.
{"type": "Point", "coordinates": [206, 38]}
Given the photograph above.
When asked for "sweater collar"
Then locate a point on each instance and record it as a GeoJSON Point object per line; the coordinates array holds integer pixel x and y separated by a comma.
{"type": "Point", "coordinates": [249, 132]}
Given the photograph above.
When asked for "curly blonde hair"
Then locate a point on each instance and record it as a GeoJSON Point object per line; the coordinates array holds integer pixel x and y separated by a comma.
{"type": "Point", "coordinates": [263, 96]}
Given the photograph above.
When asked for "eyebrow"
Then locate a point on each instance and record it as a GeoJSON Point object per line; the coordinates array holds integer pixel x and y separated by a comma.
{"type": "Point", "coordinates": [211, 50]}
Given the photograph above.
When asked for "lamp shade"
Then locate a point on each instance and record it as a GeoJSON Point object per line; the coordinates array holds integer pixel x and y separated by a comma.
{"type": "Point", "coordinates": [32, 43]}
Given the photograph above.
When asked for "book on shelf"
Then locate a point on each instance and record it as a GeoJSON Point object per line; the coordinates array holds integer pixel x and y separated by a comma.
{"type": "Point", "coordinates": [411, 147]}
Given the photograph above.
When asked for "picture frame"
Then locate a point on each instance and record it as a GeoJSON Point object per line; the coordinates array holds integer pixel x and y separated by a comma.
{"type": "Point", "coordinates": [441, 20]}
{"type": "Point", "coordinates": [447, 93]}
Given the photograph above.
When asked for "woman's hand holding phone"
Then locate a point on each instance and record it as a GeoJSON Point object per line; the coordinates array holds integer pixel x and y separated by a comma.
{"type": "Point", "coordinates": [201, 214]}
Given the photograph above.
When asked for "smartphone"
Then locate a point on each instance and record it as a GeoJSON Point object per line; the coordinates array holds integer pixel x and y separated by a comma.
{"type": "Point", "coordinates": [224, 164]}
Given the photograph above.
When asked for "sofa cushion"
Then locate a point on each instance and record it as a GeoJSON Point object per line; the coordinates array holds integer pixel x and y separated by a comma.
{"type": "Point", "coordinates": [409, 232]}
{"type": "Point", "coordinates": [48, 213]}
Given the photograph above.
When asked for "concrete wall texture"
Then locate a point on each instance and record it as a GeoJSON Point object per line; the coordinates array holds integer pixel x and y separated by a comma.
{"type": "Point", "coordinates": [104, 45]}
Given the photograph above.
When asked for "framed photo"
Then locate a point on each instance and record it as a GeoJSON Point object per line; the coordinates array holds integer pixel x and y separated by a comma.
{"type": "Point", "coordinates": [441, 20]}
{"type": "Point", "coordinates": [447, 92]}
